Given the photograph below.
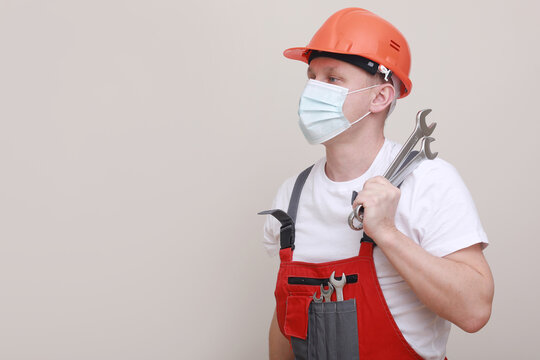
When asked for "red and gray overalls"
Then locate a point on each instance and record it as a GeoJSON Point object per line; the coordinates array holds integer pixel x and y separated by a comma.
{"type": "Point", "coordinates": [361, 326]}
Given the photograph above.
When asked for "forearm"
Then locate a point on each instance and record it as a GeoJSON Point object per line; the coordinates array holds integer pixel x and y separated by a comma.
{"type": "Point", "coordinates": [278, 345]}
{"type": "Point", "coordinates": [454, 290]}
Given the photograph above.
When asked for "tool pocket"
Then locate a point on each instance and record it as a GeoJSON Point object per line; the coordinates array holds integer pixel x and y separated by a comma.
{"type": "Point", "coordinates": [296, 316]}
{"type": "Point", "coordinates": [332, 332]}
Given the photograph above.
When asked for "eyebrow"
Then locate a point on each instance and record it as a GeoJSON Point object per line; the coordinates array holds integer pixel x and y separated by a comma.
{"type": "Point", "coordinates": [326, 68]}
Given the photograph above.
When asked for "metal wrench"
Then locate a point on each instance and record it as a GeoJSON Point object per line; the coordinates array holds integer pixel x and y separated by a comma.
{"type": "Point", "coordinates": [421, 130]}
{"type": "Point", "coordinates": [327, 293]}
{"type": "Point", "coordinates": [316, 299]}
{"type": "Point", "coordinates": [338, 285]}
{"type": "Point", "coordinates": [424, 154]}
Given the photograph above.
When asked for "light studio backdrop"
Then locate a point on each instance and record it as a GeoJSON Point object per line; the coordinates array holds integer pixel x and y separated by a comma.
{"type": "Point", "coordinates": [138, 140]}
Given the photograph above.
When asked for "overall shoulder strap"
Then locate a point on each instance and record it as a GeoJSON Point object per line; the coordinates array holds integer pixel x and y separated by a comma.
{"type": "Point", "coordinates": [287, 219]}
{"type": "Point", "coordinates": [297, 191]}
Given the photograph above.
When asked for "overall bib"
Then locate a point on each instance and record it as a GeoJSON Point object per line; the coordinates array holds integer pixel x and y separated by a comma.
{"type": "Point", "coordinates": [359, 327]}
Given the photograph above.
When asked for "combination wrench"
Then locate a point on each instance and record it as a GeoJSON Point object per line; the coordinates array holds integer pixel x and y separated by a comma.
{"type": "Point", "coordinates": [421, 131]}
{"type": "Point", "coordinates": [316, 299]}
{"type": "Point", "coordinates": [425, 153]}
{"type": "Point", "coordinates": [338, 285]}
{"type": "Point", "coordinates": [327, 293]}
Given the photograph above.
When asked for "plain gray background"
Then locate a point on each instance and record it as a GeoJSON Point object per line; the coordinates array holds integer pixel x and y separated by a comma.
{"type": "Point", "coordinates": [138, 139]}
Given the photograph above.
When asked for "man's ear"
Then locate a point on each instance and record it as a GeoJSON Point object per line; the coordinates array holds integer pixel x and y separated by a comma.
{"type": "Point", "coordinates": [383, 99]}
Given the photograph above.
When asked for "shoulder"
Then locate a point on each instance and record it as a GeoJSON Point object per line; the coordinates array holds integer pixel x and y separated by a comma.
{"type": "Point", "coordinates": [436, 187]}
{"type": "Point", "coordinates": [437, 177]}
{"type": "Point", "coordinates": [438, 166]}
{"type": "Point", "coordinates": [441, 209]}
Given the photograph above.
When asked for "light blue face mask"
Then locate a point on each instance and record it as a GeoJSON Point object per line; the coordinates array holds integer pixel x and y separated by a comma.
{"type": "Point", "coordinates": [321, 111]}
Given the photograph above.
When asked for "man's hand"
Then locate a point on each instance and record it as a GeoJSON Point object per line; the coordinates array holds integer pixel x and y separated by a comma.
{"type": "Point", "coordinates": [458, 287]}
{"type": "Point", "coordinates": [380, 200]}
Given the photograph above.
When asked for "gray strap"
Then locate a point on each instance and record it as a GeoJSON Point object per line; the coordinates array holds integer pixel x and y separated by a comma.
{"type": "Point", "coordinates": [297, 190]}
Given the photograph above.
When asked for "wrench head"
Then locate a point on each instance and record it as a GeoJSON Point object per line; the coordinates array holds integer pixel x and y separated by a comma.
{"type": "Point", "coordinates": [426, 149]}
{"type": "Point", "coordinates": [327, 292]}
{"type": "Point", "coordinates": [336, 283]}
{"type": "Point", "coordinates": [421, 121]}
{"type": "Point", "coordinates": [352, 216]}
{"type": "Point", "coordinates": [317, 299]}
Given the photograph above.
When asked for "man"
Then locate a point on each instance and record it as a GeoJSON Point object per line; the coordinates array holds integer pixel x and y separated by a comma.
{"type": "Point", "coordinates": [424, 240]}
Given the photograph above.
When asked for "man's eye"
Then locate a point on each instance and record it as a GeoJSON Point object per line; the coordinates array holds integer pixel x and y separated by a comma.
{"type": "Point", "coordinates": [332, 79]}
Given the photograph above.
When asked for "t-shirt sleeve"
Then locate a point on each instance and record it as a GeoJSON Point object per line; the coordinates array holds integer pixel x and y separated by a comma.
{"type": "Point", "coordinates": [445, 218]}
{"type": "Point", "coordinates": [271, 224]}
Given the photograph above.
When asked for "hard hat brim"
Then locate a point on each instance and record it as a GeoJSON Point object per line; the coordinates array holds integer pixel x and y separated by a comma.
{"type": "Point", "coordinates": [302, 54]}
{"type": "Point", "coordinates": [297, 53]}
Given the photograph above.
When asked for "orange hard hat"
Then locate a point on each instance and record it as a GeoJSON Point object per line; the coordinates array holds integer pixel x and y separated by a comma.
{"type": "Point", "coordinates": [356, 31]}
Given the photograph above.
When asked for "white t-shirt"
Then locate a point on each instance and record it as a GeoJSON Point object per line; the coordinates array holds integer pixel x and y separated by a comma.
{"type": "Point", "coordinates": [435, 210]}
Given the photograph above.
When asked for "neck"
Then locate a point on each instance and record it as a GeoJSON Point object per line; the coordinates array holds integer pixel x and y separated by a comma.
{"type": "Point", "coordinates": [349, 157]}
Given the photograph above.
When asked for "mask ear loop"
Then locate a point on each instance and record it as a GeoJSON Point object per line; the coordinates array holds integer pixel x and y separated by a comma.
{"type": "Point", "coordinates": [369, 112]}
{"type": "Point", "coordinates": [354, 122]}
{"type": "Point", "coordinates": [387, 72]}
{"type": "Point", "coordinates": [366, 88]}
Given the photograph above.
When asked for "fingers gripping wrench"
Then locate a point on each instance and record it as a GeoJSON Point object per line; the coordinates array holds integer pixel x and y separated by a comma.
{"type": "Point", "coordinates": [421, 131]}
{"type": "Point", "coordinates": [425, 153]}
